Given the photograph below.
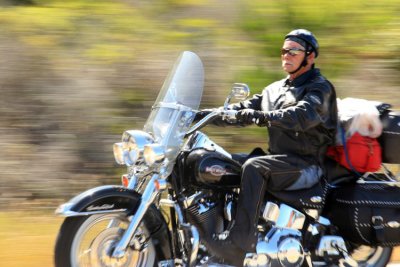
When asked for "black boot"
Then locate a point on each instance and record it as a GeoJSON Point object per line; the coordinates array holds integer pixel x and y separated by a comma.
{"type": "Point", "coordinates": [227, 251]}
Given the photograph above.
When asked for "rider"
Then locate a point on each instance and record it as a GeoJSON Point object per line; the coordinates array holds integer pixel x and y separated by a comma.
{"type": "Point", "coordinates": [301, 115]}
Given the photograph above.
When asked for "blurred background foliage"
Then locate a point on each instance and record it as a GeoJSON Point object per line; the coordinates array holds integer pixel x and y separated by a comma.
{"type": "Point", "coordinates": [74, 74]}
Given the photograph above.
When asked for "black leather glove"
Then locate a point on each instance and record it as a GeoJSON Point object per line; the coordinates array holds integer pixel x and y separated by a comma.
{"type": "Point", "coordinates": [245, 116]}
{"type": "Point", "coordinates": [250, 116]}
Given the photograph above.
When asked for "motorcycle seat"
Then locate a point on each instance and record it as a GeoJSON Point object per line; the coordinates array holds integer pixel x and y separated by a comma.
{"type": "Point", "coordinates": [337, 174]}
{"type": "Point", "coordinates": [309, 198]}
{"type": "Point", "coordinates": [315, 196]}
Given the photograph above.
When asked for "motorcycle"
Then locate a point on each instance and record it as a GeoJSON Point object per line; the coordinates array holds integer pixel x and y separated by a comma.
{"type": "Point", "coordinates": [181, 188]}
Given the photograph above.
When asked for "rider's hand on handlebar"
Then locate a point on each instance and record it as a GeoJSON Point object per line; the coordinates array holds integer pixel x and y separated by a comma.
{"type": "Point", "coordinates": [249, 116]}
{"type": "Point", "coordinates": [246, 116]}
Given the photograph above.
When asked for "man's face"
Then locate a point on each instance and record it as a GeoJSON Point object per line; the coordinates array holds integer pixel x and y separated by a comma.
{"type": "Point", "coordinates": [290, 61]}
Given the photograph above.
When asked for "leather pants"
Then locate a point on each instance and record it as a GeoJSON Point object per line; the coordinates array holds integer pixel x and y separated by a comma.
{"type": "Point", "coordinates": [259, 174]}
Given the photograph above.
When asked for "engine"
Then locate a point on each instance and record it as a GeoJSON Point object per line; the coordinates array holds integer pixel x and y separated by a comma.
{"type": "Point", "coordinates": [281, 248]}
{"type": "Point", "coordinates": [206, 214]}
{"type": "Point", "coordinates": [282, 244]}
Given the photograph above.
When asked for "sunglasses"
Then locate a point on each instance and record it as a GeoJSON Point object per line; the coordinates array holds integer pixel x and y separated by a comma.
{"type": "Point", "coordinates": [292, 51]}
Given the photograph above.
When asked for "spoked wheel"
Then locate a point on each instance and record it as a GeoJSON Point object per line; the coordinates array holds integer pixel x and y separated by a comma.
{"type": "Point", "coordinates": [372, 256]}
{"type": "Point", "coordinates": [89, 241]}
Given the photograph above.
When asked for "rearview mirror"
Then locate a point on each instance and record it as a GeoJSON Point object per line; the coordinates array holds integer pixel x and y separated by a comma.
{"type": "Point", "coordinates": [240, 91]}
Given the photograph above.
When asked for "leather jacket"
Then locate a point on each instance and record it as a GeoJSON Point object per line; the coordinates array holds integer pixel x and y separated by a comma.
{"type": "Point", "coordinates": [301, 115]}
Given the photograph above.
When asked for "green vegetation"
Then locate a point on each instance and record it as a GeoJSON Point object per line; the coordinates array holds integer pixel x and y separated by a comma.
{"type": "Point", "coordinates": [347, 30]}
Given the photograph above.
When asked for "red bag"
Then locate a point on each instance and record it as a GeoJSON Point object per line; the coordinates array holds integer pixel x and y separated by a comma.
{"type": "Point", "coordinates": [364, 154]}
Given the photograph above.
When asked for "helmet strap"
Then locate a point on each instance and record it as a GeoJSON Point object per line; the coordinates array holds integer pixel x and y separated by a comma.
{"type": "Point", "coordinates": [303, 64]}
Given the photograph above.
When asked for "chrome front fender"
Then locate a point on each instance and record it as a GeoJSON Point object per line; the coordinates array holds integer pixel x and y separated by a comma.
{"type": "Point", "coordinates": [100, 200]}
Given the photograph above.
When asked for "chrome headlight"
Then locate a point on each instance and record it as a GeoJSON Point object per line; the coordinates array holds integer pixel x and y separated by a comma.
{"type": "Point", "coordinates": [130, 150]}
{"type": "Point", "coordinates": [153, 153]}
{"type": "Point", "coordinates": [119, 153]}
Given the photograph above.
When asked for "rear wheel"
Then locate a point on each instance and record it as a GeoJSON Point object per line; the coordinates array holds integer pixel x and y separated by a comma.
{"type": "Point", "coordinates": [372, 256]}
{"type": "Point", "coordinates": [89, 241]}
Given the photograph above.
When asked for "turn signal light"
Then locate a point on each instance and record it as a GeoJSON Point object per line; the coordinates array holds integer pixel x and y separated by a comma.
{"type": "Point", "coordinates": [125, 180]}
{"type": "Point", "coordinates": [160, 184]}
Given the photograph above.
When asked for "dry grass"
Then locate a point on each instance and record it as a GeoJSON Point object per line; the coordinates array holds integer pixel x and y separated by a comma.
{"type": "Point", "coordinates": [27, 239]}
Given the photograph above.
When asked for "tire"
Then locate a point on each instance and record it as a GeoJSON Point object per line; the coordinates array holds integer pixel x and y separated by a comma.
{"type": "Point", "coordinates": [86, 241]}
{"type": "Point", "coordinates": [372, 256]}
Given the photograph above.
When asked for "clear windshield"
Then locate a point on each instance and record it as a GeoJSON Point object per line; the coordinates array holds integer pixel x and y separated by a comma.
{"type": "Point", "coordinates": [180, 96]}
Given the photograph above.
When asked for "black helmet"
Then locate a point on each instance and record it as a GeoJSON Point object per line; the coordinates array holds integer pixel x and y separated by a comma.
{"type": "Point", "coordinates": [307, 37]}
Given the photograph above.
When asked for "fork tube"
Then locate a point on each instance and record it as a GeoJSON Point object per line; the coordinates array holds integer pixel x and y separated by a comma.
{"type": "Point", "coordinates": [148, 196]}
{"type": "Point", "coordinates": [195, 236]}
{"type": "Point", "coordinates": [132, 182]}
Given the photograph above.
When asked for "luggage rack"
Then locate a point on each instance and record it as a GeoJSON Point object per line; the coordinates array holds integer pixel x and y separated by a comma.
{"type": "Point", "coordinates": [384, 178]}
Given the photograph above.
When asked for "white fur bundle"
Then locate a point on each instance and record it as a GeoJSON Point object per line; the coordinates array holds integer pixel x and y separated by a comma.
{"type": "Point", "coordinates": [362, 115]}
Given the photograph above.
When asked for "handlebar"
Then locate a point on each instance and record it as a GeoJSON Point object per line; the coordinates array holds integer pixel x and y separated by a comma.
{"type": "Point", "coordinates": [227, 115]}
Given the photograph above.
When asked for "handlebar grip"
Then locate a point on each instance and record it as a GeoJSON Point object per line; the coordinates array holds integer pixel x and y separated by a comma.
{"type": "Point", "coordinates": [229, 115]}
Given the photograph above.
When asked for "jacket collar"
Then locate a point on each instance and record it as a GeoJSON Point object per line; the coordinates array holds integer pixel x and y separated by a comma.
{"type": "Point", "coordinates": [302, 78]}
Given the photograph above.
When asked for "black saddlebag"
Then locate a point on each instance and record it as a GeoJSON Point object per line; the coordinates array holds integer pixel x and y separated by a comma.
{"type": "Point", "coordinates": [367, 214]}
{"type": "Point", "coordinates": [390, 138]}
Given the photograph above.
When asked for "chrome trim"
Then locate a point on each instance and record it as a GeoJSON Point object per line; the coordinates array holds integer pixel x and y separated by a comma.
{"type": "Point", "coordinates": [195, 235]}
{"type": "Point", "coordinates": [132, 181]}
{"type": "Point", "coordinates": [167, 203]}
{"type": "Point", "coordinates": [148, 197]}
{"type": "Point", "coordinates": [291, 252]}
{"type": "Point", "coordinates": [179, 214]}
{"type": "Point", "coordinates": [272, 249]}
{"type": "Point", "coordinates": [118, 150]}
{"type": "Point", "coordinates": [153, 153]}
{"type": "Point", "coordinates": [290, 218]}
{"type": "Point", "coordinates": [388, 173]}
{"type": "Point", "coordinates": [75, 214]}
{"type": "Point", "coordinates": [324, 221]}
{"type": "Point", "coordinates": [171, 105]}
{"type": "Point", "coordinates": [316, 199]}
{"type": "Point", "coordinates": [256, 260]}
{"type": "Point", "coordinates": [65, 211]}
{"type": "Point", "coordinates": [64, 208]}
{"type": "Point", "coordinates": [313, 229]}
{"type": "Point", "coordinates": [228, 211]}
{"type": "Point", "coordinates": [239, 91]}
{"type": "Point", "coordinates": [203, 122]}
{"type": "Point", "coordinates": [379, 182]}
{"type": "Point", "coordinates": [335, 246]}
{"type": "Point", "coordinates": [271, 212]}
{"type": "Point", "coordinates": [312, 213]}
{"type": "Point", "coordinates": [393, 224]}
{"type": "Point", "coordinates": [331, 246]}
{"type": "Point", "coordinates": [134, 142]}
{"type": "Point", "coordinates": [195, 245]}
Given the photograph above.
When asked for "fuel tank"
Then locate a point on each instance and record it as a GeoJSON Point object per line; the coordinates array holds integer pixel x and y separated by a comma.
{"type": "Point", "coordinates": [211, 169]}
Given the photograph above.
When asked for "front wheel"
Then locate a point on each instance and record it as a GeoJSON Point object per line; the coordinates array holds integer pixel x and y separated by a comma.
{"type": "Point", "coordinates": [88, 241]}
{"type": "Point", "coordinates": [372, 256]}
